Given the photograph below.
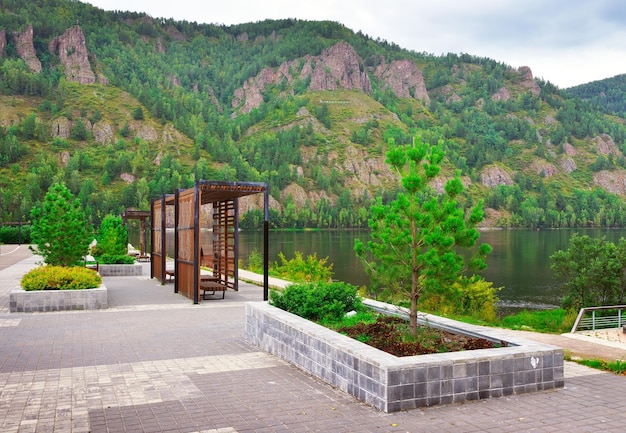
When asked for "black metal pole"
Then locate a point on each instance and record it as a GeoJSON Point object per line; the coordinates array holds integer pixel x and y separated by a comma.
{"type": "Point", "coordinates": [19, 220]}
{"type": "Point", "coordinates": [266, 230]}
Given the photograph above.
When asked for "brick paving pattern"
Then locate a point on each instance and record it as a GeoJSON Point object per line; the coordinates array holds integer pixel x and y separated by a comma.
{"type": "Point", "coordinates": [154, 362]}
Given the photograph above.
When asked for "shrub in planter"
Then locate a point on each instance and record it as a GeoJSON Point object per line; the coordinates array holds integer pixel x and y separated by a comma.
{"type": "Point", "coordinates": [111, 259]}
{"type": "Point", "coordinates": [317, 301]}
{"type": "Point", "coordinates": [112, 238]}
{"type": "Point", "coordinates": [60, 278]}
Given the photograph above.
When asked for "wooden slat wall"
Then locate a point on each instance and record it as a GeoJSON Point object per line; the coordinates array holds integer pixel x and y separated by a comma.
{"type": "Point", "coordinates": [157, 256]}
{"type": "Point", "coordinates": [185, 256]}
{"type": "Point", "coordinates": [224, 242]}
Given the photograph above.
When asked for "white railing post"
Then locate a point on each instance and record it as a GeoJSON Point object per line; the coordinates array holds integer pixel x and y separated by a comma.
{"type": "Point", "coordinates": [593, 320]}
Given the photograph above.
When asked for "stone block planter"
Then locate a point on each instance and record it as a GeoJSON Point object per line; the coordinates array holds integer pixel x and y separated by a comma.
{"type": "Point", "coordinates": [391, 383]}
{"type": "Point", "coordinates": [21, 301]}
{"type": "Point", "coordinates": [135, 270]}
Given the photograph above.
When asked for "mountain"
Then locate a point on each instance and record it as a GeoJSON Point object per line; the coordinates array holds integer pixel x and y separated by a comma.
{"type": "Point", "coordinates": [124, 107]}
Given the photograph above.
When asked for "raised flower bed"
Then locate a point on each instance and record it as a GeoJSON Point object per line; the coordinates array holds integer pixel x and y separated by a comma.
{"type": "Point", "coordinates": [391, 383]}
{"type": "Point", "coordinates": [22, 301]}
{"type": "Point", "coordinates": [120, 270]}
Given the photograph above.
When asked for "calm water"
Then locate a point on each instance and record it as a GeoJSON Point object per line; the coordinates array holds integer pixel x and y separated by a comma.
{"type": "Point", "coordinates": [519, 262]}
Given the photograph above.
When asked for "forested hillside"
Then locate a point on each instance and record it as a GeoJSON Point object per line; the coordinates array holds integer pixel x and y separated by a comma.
{"type": "Point", "coordinates": [609, 94]}
{"type": "Point", "coordinates": [123, 107]}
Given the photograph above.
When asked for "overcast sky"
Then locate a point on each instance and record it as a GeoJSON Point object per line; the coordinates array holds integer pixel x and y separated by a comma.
{"type": "Point", "coordinates": [566, 42]}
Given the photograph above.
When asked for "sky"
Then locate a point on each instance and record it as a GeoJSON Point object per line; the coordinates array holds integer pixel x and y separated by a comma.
{"type": "Point", "coordinates": [566, 42]}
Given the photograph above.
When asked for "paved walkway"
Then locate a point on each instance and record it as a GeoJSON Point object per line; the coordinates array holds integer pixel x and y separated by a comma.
{"type": "Point", "coordinates": [154, 362]}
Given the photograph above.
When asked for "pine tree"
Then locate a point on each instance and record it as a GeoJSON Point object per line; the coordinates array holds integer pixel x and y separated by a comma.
{"type": "Point", "coordinates": [60, 231]}
{"type": "Point", "coordinates": [112, 237]}
{"type": "Point", "coordinates": [415, 238]}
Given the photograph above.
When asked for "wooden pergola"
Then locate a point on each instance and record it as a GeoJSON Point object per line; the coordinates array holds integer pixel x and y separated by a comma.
{"type": "Point", "coordinates": [189, 254]}
{"type": "Point", "coordinates": [142, 216]}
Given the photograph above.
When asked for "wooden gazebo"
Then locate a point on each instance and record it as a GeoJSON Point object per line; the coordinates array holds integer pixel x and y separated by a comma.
{"type": "Point", "coordinates": [222, 255]}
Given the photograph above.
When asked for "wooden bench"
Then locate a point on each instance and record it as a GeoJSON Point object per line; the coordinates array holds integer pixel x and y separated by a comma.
{"type": "Point", "coordinates": [212, 286]}
{"type": "Point", "coordinates": [169, 274]}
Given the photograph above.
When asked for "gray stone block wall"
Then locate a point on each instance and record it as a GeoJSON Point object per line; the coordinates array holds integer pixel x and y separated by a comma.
{"type": "Point", "coordinates": [392, 383]}
{"type": "Point", "coordinates": [120, 270]}
{"type": "Point", "coordinates": [21, 301]}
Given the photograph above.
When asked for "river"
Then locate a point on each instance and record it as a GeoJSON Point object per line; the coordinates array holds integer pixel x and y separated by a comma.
{"type": "Point", "coordinates": [519, 262]}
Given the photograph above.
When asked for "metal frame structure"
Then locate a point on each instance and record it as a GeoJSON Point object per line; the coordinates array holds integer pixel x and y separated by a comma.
{"type": "Point", "coordinates": [189, 255]}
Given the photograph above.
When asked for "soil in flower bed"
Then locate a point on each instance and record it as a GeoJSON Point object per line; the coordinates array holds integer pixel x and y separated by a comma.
{"type": "Point", "coordinates": [392, 335]}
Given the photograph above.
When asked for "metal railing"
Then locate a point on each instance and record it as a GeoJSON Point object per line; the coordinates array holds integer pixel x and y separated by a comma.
{"type": "Point", "coordinates": [600, 322]}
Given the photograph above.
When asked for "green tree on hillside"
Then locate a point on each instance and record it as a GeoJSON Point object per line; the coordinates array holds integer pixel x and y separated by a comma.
{"type": "Point", "coordinates": [415, 238]}
{"type": "Point", "coordinates": [60, 231]}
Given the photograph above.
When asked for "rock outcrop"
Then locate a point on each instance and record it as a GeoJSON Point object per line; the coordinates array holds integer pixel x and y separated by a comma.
{"type": "Point", "coordinates": [543, 168]}
{"type": "Point", "coordinates": [103, 132]}
{"type": "Point", "coordinates": [568, 164]}
{"type": "Point", "coordinates": [337, 67]}
{"type": "Point", "coordinates": [403, 78]}
{"type": "Point", "coordinates": [214, 100]}
{"type": "Point", "coordinates": [128, 178]}
{"type": "Point", "coordinates": [528, 82]}
{"type": "Point", "coordinates": [3, 42]}
{"type": "Point", "coordinates": [494, 175]}
{"type": "Point", "coordinates": [502, 94]}
{"type": "Point", "coordinates": [144, 132]}
{"type": "Point", "coordinates": [605, 145]}
{"type": "Point", "coordinates": [340, 67]}
{"type": "Point", "coordinates": [74, 56]}
{"type": "Point", "coordinates": [250, 96]}
{"type": "Point", "coordinates": [61, 127]}
{"type": "Point", "coordinates": [612, 181]}
{"type": "Point", "coordinates": [26, 49]}
{"type": "Point", "coordinates": [569, 149]}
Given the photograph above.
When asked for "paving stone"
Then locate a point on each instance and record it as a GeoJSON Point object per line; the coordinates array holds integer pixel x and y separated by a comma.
{"type": "Point", "coordinates": [155, 362]}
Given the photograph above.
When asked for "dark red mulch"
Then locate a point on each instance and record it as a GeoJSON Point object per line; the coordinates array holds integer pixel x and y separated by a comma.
{"type": "Point", "coordinates": [388, 334]}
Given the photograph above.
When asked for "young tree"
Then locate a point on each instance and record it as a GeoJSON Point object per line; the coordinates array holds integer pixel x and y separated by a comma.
{"type": "Point", "coordinates": [138, 113]}
{"type": "Point", "coordinates": [60, 228]}
{"type": "Point", "coordinates": [112, 237]}
{"type": "Point", "coordinates": [414, 239]}
{"type": "Point", "coordinates": [593, 271]}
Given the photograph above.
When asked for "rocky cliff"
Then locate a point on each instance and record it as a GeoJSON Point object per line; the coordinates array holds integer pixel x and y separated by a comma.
{"type": "Point", "coordinates": [403, 78]}
{"type": "Point", "coordinates": [528, 81]}
{"type": "Point", "coordinates": [338, 67]}
{"type": "Point", "coordinates": [26, 49]}
{"type": "Point", "coordinates": [73, 54]}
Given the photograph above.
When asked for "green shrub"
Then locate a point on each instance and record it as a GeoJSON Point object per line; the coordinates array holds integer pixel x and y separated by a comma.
{"type": "Point", "coordinates": [112, 238]}
{"type": "Point", "coordinates": [557, 320]}
{"type": "Point", "coordinates": [618, 366]}
{"type": "Point", "coordinates": [300, 270]}
{"type": "Point", "coordinates": [317, 301]}
{"type": "Point", "coordinates": [255, 261]}
{"type": "Point", "coordinates": [477, 298]}
{"type": "Point", "coordinates": [468, 297]}
{"type": "Point", "coordinates": [15, 235]}
{"type": "Point", "coordinates": [111, 259]}
{"type": "Point", "coordinates": [60, 278]}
